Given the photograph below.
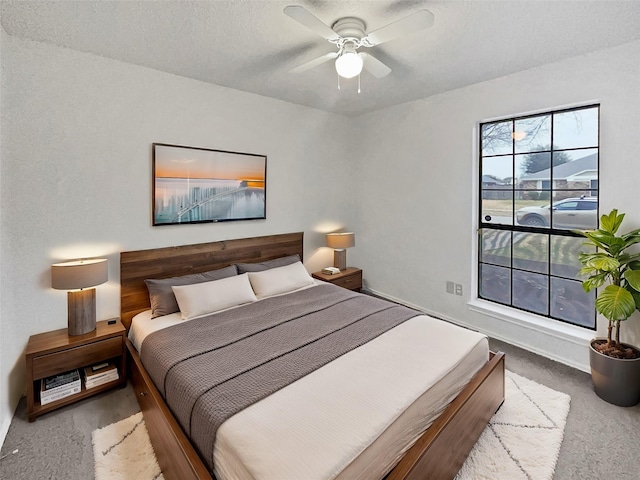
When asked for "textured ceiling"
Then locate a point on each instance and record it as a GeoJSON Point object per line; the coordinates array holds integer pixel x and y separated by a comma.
{"type": "Point", "coordinates": [251, 45]}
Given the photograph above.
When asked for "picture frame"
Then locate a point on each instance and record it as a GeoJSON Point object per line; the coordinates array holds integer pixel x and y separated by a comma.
{"type": "Point", "coordinates": [203, 185]}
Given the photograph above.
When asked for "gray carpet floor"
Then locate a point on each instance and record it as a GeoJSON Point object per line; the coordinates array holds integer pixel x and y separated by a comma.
{"type": "Point", "coordinates": [601, 441]}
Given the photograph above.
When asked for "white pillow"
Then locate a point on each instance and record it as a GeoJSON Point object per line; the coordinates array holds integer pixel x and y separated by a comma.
{"type": "Point", "coordinates": [280, 280]}
{"type": "Point", "coordinates": [209, 297]}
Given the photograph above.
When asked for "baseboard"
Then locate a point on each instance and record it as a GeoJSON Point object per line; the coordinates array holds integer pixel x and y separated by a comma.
{"type": "Point", "coordinates": [4, 429]}
{"type": "Point", "coordinates": [496, 333]}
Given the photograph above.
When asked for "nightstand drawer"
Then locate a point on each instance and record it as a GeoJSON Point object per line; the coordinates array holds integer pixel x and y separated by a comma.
{"type": "Point", "coordinates": [352, 282]}
{"type": "Point", "coordinates": [349, 278]}
{"type": "Point", "coordinates": [54, 363]}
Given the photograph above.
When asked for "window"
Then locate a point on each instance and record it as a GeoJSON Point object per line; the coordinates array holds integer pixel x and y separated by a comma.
{"type": "Point", "coordinates": [538, 182]}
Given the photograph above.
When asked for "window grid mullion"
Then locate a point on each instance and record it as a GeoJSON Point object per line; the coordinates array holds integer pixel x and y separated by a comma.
{"type": "Point", "coordinates": [552, 190]}
{"type": "Point", "coordinates": [513, 228]}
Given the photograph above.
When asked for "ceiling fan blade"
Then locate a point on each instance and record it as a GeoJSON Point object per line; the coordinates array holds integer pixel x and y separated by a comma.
{"type": "Point", "coordinates": [306, 18]}
{"type": "Point", "coordinates": [416, 21]}
{"type": "Point", "coordinates": [314, 63]}
{"type": "Point", "coordinates": [374, 66]}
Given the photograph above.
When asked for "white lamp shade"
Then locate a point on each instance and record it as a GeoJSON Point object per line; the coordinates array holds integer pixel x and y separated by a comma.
{"type": "Point", "coordinates": [341, 240]}
{"type": "Point", "coordinates": [349, 64]}
{"type": "Point", "coordinates": [79, 274]}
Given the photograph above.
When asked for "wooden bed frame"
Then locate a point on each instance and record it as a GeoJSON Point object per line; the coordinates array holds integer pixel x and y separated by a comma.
{"type": "Point", "coordinates": [437, 455]}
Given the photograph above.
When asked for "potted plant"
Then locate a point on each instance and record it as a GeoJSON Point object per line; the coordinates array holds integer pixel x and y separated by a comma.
{"type": "Point", "coordinates": [615, 366]}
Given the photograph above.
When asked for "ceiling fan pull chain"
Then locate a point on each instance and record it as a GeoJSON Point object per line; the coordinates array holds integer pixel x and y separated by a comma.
{"type": "Point", "coordinates": [338, 82]}
{"type": "Point", "coordinates": [358, 83]}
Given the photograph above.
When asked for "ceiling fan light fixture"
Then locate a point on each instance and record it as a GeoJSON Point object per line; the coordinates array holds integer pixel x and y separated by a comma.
{"type": "Point", "coordinates": [349, 63]}
{"type": "Point", "coordinates": [349, 34]}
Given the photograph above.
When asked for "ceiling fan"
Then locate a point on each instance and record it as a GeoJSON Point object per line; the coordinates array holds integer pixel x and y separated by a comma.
{"type": "Point", "coordinates": [348, 34]}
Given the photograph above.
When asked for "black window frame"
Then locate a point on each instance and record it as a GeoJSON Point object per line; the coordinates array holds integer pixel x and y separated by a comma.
{"type": "Point", "coordinates": [515, 227]}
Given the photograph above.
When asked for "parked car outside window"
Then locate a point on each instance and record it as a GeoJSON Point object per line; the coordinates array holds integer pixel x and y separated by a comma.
{"type": "Point", "coordinates": [570, 213]}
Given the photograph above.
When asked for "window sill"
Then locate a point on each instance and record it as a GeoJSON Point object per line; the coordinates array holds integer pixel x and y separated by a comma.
{"type": "Point", "coordinates": [570, 333]}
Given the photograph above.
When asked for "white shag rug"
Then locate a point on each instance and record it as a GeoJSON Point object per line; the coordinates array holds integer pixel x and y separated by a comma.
{"type": "Point", "coordinates": [123, 451]}
{"type": "Point", "coordinates": [521, 442]}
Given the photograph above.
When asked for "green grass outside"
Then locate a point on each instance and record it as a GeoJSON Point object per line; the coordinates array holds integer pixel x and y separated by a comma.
{"type": "Point", "coordinates": [504, 208]}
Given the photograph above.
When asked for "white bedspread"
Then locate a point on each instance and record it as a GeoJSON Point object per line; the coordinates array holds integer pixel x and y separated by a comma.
{"type": "Point", "coordinates": [352, 418]}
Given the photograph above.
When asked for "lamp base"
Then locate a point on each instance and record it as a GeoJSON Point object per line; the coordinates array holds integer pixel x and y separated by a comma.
{"type": "Point", "coordinates": [82, 311]}
{"type": "Point", "coordinates": [340, 258]}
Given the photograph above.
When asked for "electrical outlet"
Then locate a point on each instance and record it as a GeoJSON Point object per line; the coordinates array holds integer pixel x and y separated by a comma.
{"type": "Point", "coordinates": [450, 287]}
{"type": "Point", "coordinates": [458, 289]}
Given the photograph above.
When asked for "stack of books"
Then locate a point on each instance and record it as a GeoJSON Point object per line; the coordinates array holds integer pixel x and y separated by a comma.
{"type": "Point", "coordinates": [100, 374]}
{"type": "Point", "coordinates": [59, 386]}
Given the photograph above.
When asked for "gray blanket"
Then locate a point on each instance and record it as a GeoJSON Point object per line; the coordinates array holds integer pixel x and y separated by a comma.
{"type": "Point", "coordinates": [210, 368]}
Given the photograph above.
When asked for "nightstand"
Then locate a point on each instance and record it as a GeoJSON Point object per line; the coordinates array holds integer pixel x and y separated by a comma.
{"type": "Point", "coordinates": [55, 352]}
{"type": "Point", "coordinates": [350, 278]}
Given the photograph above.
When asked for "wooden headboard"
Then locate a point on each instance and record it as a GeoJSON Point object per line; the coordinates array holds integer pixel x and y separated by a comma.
{"type": "Point", "coordinates": [136, 266]}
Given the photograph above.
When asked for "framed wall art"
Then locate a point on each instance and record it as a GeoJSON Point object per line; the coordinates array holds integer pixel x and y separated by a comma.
{"type": "Point", "coordinates": [199, 185]}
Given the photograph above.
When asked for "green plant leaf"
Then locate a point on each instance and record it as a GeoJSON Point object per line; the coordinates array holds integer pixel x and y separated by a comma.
{"type": "Point", "coordinates": [600, 238]}
{"type": "Point", "coordinates": [616, 246]}
{"type": "Point", "coordinates": [615, 303]}
{"type": "Point", "coordinates": [633, 277]}
{"type": "Point", "coordinates": [626, 259]}
{"type": "Point", "coordinates": [587, 272]}
{"type": "Point", "coordinates": [594, 281]}
{"type": "Point", "coordinates": [629, 242]}
{"type": "Point", "coordinates": [586, 257]}
{"type": "Point", "coordinates": [590, 258]}
{"type": "Point", "coordinates": [636, 297]}
{"type": "Point", "coordinates": [604, 263]}
{"type": "Point", "coordinates": [632, 236]}
{"type": "Point", "coordinates": [610, 223]}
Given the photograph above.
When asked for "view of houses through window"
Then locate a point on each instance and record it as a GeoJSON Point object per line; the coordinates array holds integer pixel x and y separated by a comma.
{"type": "Point", "coordinates": [538, 183]}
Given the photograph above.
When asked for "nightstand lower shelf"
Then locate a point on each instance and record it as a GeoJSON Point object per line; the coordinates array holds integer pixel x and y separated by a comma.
{"type": "Point", "coordinates": [53, 353]}
{"type": "Point", "coordinates": [84, 393]}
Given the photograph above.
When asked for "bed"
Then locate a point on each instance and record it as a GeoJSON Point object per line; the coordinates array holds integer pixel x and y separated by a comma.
{"type": "Point", "coordinates": [439, 451]}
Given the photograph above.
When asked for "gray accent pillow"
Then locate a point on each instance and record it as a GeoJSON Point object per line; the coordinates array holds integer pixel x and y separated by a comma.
{"type": "Point", "coordinates": [163, 301]}
{"type": "Point", "coordinates": [262, 266]}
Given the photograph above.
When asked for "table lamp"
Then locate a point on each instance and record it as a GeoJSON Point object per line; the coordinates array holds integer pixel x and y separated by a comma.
{"type": "Point", "coordinates": [340, 242]}
{"type": "Point", "coordinates": [79, 277]}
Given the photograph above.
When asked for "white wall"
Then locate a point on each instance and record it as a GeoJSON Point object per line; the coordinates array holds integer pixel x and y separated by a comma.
{"type": "Point", "coordinates": [418, 167]}
{"type": "Point", "coordinates": [4, 401]}
{"type": "Point", "coordinates": [75, 175]}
